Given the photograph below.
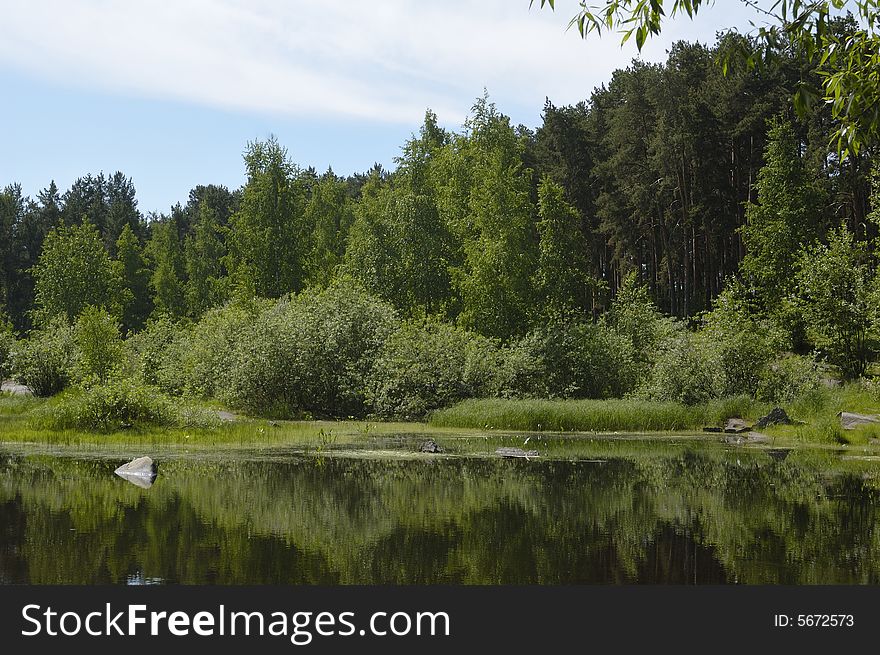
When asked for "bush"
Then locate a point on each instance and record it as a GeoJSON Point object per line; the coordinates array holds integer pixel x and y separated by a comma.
{"type": "Point", "coordinates": [313, 353]}
{"type": "Point", "coordinates": [742, 358]}
{"type": "Point", "coordinates": [839, 300]}
{"type": "Point", "coordinates": [44, 361]}
{"type": "Point", "coordinates": [98, 349]}
{"type": "Point", "coordinates": [205, 350]}
{"type": "Point", "coordinates": [104, 407]}
{"type": "Point", "coordinates": [788, 379]}
{"type": "Point", "coordinates": [425, 366]}
{"type": "Point", "coordinates": [740, 345]}
{"type": "Point", "coordinates": [196, 359]}
{"type": "Point", "coordinates": [522, 370]}
{"type": "Point", "coordinates": [634, 315]}
{"type": "Point", "coordinates": [685, 372]}
{"type": "Point", "coordinates": [7, 345]}
{"type": "Point", "coordinates": [120, 404]}
{"type": "Point", "coordinates": [158, 350]}
{"type": "Point", "coordinates": [574, 360]}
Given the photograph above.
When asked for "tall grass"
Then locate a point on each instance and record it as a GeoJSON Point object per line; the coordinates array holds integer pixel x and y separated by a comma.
{"type": "Point", "coordinates": [590, 415]}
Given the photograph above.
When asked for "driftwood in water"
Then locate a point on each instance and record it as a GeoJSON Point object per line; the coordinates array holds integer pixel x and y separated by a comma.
{"type": "Point", "coordinates": [516, 452]}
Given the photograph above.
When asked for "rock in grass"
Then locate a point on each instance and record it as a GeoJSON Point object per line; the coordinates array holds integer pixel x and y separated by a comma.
{"type": "Point", "coordinates": [430, 446]}
{"type": "Point", "coordinates": [851, 420]}
{"type": "Point", "coordinates": [516, 452]}
{"type": "Point", "coordinates": [141, 472]}
{"type": "Point", "coordinates": [15, 389]}
{"type": "Point", "coordinates": [777, 416]}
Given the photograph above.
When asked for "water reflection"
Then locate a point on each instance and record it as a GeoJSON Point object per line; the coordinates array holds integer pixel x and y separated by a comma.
{"type": "Point", "coordinates": [685, 517]}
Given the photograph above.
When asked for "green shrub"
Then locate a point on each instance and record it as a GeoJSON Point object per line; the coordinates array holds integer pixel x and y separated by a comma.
{"type": "Point", "coordinates": [522, 370]}
{"type": "Point", "coordinates": [313, 353]}
{"type": "Point", "coordinates": [685, 372]}
{"type": "Point", "coordinates": [158, 350]}
{"type": "Point", "coordinates": [839, 299]}
{"type": "Point", "coordinates": [634, 315]}
{"type": "Point", "coordinates": [120, 404]}
{"type": "Point", "coordinates": [206, 349]}
{"type": "Point", "coordinates": [110, 406]}
{"type": "Point", "coordinates": [425, 366]}
{"type": "Point", "coordinates": [574, 360]}
{"type": "Point", "coordinates": [7, 345]}
{"type": "Point", "coordinates": [44, 361]}
{"type": "Point", "coordinates": [788, 379]}
{"type": "Point", "coordinates": [98, 349]}
{"type": "Point", "coordinates": [740, 345]}
{"type": "Point", "coordinates": [742, 359]}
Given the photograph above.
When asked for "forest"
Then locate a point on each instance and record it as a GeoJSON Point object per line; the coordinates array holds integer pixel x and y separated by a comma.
{"type": "Point", "coordinates": [682, 235]}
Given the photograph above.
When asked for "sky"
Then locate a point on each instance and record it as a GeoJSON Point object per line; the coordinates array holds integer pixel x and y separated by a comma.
{"type": "Point", "coordinates": [170, 93]}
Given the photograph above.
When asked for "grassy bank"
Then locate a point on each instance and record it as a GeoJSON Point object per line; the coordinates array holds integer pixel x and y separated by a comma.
{"type": "Point", "coordinates": [816, 410]}
{"type": "Point", "coordinates": [537, 415]}
{"type": "Point", "coordinates": [22, 419]}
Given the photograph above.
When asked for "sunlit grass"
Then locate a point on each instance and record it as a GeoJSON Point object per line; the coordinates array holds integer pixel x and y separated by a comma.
{"type": "Point", "coordinates": [471, 428]}
{"type": "Point", "coordinates": [536, 415]}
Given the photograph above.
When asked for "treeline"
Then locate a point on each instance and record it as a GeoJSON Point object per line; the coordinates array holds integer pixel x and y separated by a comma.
{"type": "Point", "coordinates": [675, 190]}
{"type": "Point", "coordinates": [492, 226]}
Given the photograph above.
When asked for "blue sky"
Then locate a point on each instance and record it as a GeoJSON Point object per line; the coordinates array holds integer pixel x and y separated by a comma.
{"type": "Point", "coordinates": [170, 93]}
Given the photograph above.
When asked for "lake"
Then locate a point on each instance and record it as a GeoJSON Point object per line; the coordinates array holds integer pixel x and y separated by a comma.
{"type": "Point", "coordinates": [604, 512]}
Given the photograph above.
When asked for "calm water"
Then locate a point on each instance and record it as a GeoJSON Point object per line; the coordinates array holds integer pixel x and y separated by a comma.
{"type": "Point", "coordinates": [655, 516]}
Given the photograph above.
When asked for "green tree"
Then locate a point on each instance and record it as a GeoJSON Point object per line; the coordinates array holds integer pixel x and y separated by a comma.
{"type": "Point", "coordinates": [165, 256]}
{"type": "Point", "coordinates": [74, 271]}
{"type": "Point", "coordinates": [86, 200]}
{"type": "Point", "coordinates": [122, 210]}
{"type": "Point", "coordinates": [38, 218]}
{"type": "Point", "coordinates": [371, 253]}
{"type": "Point", "coordinates": [12, 206]}
{"type": "Point", "coordinates": [132, 270]}
{"type": "Point", "coordinates": [7, 344]}
{"type": "Point", "coordinates": [845, 63]}
{"type": "Point", "coordinates": [268, 241]}
{"type": "Point", "coordinates": [399, 246]}
{"type": "Point", "coordinates": [484, 197]}
{"type": "Point", "coordinates": [329, 215]}
{"type": "Point", "coordinates": [97, 345]}
{"type": "Point", "coordinates": [204, 252]}
{"type": "Point", "coordinates": [634, 315]}
{"type": "Point", "coordinates": [787, 217]}
{"type": "Point", "coordinates": [563, 265]}
{"type": "Point", "coordinates": [839, 302]}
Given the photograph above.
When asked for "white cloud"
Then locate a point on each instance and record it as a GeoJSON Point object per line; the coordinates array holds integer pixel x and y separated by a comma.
{"type": "Point", "coordinates": [380, 60]}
